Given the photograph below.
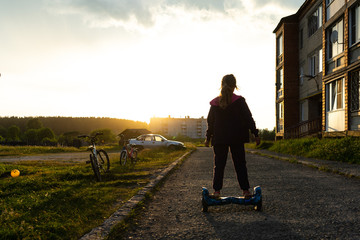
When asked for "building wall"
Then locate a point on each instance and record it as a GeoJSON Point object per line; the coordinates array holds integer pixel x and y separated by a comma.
{"type": "Point", "coordinates": [172, 127]}
{"type": "Point", "coordinates": [311, 46]}
{"type": "Point", "coordinates": [314, 95]}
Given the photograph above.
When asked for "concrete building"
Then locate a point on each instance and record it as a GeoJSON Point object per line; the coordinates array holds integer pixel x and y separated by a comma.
{"type": "Point", "coordinates": [190, 127]}
{"type": "Point", "coordinates": [317, 70]}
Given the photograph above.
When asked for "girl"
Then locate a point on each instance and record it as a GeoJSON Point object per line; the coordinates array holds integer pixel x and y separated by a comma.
{"type": "Point", "coordinates": [229, 121]}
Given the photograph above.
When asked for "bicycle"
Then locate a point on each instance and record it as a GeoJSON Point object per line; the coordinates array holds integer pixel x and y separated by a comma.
{"type": "Point", "coordinates": [99, 159]}
{"type": "Point", "coordinates": [128, 151]}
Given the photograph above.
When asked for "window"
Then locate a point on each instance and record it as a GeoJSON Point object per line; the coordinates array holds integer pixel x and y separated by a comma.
{"type": "Point", "coordinates": [354, 27]}
{"type": "Point", "coordinates": [158, 139]}
{"type": "Point", "coordinates": [279, 49]}
{"type": "Point", "coordinates": [320, 60]}
{"type": "Point", "coordinates": [315, 63]}
{"type": "Point", "coordinates": [301, 75]}
{"type": "Point", "coordinates": [354, 91]}
{"type": "Point", "coordinates": [335, 95]}
{"type": "Point", "coordinates": [312, 61]}
{"type": "Point", "coordinates": [335, 39]}
{"type": "Point", "coordinates": [328, 2]}
{"type": "Point", "coordinates": [148, 138]}
{"type": "Point", "coordinates": [279, 45]}
{"type": "Point", "coordinates": [315, 21]}
{"type": "Point", "coordinates": [280, 78]}
{"type": "Point", "coordinates": [302, 111]}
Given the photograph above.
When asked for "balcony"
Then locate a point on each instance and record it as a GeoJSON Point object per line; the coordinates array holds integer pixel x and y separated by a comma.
{"type": "Point", "coordinates": [305, 129]}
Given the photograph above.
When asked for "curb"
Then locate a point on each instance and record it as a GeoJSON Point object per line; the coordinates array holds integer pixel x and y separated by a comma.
{"type": "Point", "coordinates": [103, 230]}
{"type": "Point", "coordinates": [340, 168]}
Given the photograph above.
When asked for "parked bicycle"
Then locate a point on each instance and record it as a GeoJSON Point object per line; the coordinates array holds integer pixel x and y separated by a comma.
{"type": "Point", "coordinates": [99, 159]}
{"type": "Point", "coordinates": [128, 152]}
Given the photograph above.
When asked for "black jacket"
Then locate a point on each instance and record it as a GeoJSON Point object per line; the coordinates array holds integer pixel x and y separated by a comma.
{"type": "Point", "coordinates": [230, 125]}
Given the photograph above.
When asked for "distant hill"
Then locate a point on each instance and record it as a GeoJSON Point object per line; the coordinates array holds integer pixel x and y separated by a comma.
{"type": "Point", "coordinates": [83, 125]}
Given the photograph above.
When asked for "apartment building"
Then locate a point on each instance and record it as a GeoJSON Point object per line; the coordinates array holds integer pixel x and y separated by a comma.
{"type": "Point", "coordinates": [190, 127]}
{"type": "Point", "coordinates": [317, 70]}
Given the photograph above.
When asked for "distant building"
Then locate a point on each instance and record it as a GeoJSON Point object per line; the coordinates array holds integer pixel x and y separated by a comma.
{"type": "Point", "coordinates": [317, 70]}
{"type": "Point", "coordinates": [190, 127]}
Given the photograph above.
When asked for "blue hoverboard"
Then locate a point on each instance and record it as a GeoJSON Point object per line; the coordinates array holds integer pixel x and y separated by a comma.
{"type": "Point", "coordinates": [255, 200]}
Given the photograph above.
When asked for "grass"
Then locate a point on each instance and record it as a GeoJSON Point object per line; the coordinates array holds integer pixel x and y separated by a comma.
{"type": "Point", "coordinates": [58, 200]}
{"type": "Point", "coordinates": [345, 149]}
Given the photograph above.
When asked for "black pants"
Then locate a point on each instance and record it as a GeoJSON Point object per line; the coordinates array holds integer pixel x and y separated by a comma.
{"type": "Point", "coordinates": [238, 157]}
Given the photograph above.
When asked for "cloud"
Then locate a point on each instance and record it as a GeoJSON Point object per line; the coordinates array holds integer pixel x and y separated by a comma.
{"type": "Point", "coordinates": [143, 13]}
{"type": "Point", "coordinates": [105, 13]}
{"type": "Point", "coordinates": [293, 4]}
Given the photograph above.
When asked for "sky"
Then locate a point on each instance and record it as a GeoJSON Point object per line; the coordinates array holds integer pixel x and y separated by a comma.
{"type": "Point", "coordinates": [137, 59]}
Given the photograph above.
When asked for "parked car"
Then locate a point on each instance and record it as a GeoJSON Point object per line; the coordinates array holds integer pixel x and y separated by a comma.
{"type": "Point", "coordinates": [153, 141]}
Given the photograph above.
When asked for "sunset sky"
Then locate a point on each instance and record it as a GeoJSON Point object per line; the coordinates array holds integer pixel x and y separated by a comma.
{"type": "Point", "coordinates": [136, 59]}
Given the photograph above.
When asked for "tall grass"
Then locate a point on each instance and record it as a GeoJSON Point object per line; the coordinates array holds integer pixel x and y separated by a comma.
{"type": "Point", "coordinates": [345, 149]}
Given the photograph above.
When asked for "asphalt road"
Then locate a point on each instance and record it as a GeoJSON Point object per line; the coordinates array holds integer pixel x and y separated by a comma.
{"type": "Point", "coordinates": [298, 203]}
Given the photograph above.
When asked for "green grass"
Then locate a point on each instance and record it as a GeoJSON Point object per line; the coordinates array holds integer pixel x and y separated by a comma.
{"type": "Point", "coordinates": [28, 150]}
{"type": "Point", "coordinates": [345, 149]}
{"type": "Point", "coordinates": [57, 200]}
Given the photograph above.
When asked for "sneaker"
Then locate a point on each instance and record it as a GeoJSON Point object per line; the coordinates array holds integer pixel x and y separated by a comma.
{"type": "Point", "coordinates": [247, 194]}
{"type": "Point", "coordinates": [215, 195]}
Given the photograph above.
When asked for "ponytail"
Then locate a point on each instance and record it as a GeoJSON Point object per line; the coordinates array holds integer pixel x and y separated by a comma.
{"type": "Point", "coordinates": [228, 84]}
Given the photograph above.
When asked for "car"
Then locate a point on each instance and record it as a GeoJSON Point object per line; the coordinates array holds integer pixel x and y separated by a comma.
{"type": "Point", "coordinates": [153, 141]}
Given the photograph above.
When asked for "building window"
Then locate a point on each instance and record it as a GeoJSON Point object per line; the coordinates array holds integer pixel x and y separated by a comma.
{"type": "Point", "coordinates": [320, 60]}
{"type": "Point", "coordinates": [354, 27]}
{"type": "Point", "coordinates": [280, 78]}
{"type": "Point", "coordinates": [354, 91]}
{"type": "Point", "coordinates": [315, 63]}
{"type": "Point", "coordinates": [302, 111]}
{"type": "Point", "coordinates": [279, 49]}
{"type": "Point", "coordinates": [312, 62]}
{"type": "Point", "coordinates": [280, 116]}
{"type": "Point", "coordinates": [335, 95]}
{"type": "Point", "coordinates": [280, 83]}
{"type": "Point", "coordinates": [335, 39]}
{"type": "Point", "coordinates": [301, 75]}
{"type": "Point", "coordinates": [328, 2]}
{"type": "Point", "coordinates": [315, 21]}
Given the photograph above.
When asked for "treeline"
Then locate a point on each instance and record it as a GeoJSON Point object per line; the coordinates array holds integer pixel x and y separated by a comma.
{"type": "Point", "coordinates": [50, 131]}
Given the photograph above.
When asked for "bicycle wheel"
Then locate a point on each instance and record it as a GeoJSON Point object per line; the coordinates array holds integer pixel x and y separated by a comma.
{"type": "Point", "coordinates": [134, 156]}
{"type": "Point", "coordinates": [123, 157]}
{"type": "Point", "coordinates": [95, 167]}
{"type": "Point", "coordinates": [103, 159]}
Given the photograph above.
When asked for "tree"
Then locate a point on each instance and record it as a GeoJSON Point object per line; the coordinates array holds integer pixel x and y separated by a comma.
{"type": "Point", "coordinates": [45, 133]}
{"type": "Point", "coordinates": [31, 137]}
{"type": "Point", "coordinates": [107, 137]}
{"type": "Point", "coordinates": [266, 134]}
{"type": "Point", "coordinates": [70, 139]}
{"type": "Point", "coordinates": [3, 131]}
{"type": "Point", "coordinates": [13, 134]}
{"type": "Point", "coordinates": [34, 123]}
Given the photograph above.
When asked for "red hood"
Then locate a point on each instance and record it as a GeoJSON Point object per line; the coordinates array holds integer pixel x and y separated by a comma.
{"type": "Point", "coordinates": [215, 101]}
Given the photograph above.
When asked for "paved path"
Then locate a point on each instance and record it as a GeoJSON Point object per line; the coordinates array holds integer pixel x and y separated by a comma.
{"type": "Point", "coordinates": [299, 203]}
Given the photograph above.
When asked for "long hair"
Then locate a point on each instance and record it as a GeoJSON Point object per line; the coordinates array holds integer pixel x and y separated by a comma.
{"type": "Point", "coordinates": [228, 84]}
